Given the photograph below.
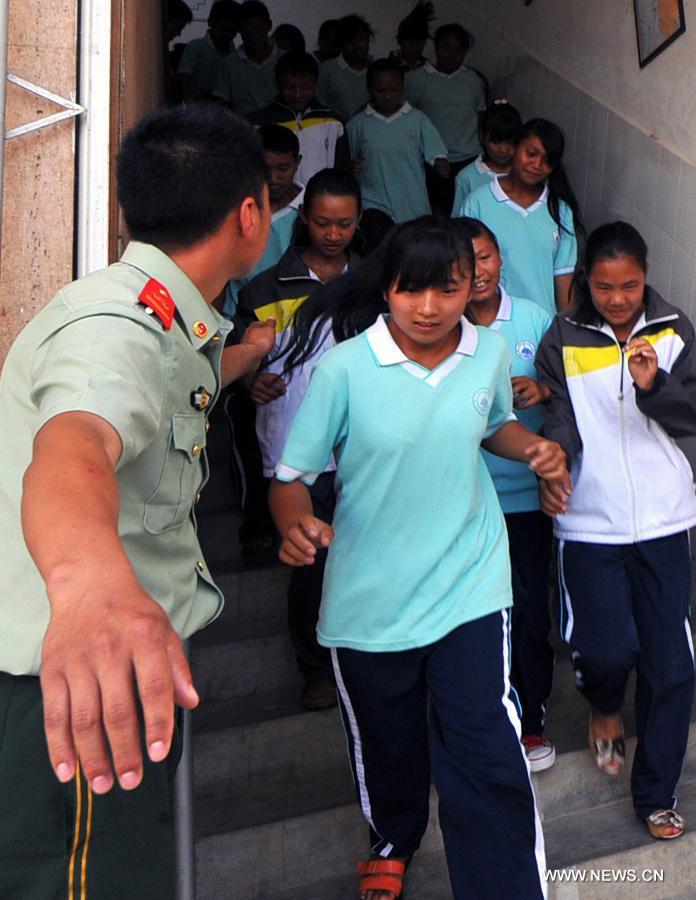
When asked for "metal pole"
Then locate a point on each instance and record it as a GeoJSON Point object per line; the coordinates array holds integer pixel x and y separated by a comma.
{"type": "Point", "coordinates": [183, 814]}
{"type": "Point", "coordinates": [93, 134]}
{"type": "Point", "coordinates": [4, 29]}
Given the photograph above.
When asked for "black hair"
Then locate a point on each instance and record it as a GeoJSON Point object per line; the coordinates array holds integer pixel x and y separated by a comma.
{"type": "Point", "coordinates": [608, 241]}
{"type": "Point", "coordinates": [293, 36]}
{"type": "Point", "coordinates": [553, 142]}
{"type": "Point", "coordinates": [335, 182]}
{"type": "Point", "coordinates": [416, 25]}
{"type": "Point", "coordinates": [413, 256]}
{"type": "Point", "coordinates": [475, 228]}
{"type": "Point", "coordinates": [388, 64]}
{"type": "Point", "coordinates": [296, 64]}
{"type": "Point", "coordinates": [182, 169]}
{"type": "Point", "coordinates": [455, 30]}
{"type": "Point", "coordinates": [178, 10]}
{"type": "Point", "coordinates": [500, 122]}
{"type": "Point", "coordinates": [327, 25]}
{"type": "Point", "coordinates": [254, 9]}
{"type": "Point", "coordinates": [279, 139]}
{"type": "Point", "coordinates": [349, 27]}
{"type": "Point", "coordinates": [223, 11]}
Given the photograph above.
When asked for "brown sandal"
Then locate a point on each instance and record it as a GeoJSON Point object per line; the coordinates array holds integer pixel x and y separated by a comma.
{"type": "Point", "coordinates": [661, 819]}
{"type": "Point", "coordinates": [609, 754]}
{"type": "Point", "coordinates": [382, 875]}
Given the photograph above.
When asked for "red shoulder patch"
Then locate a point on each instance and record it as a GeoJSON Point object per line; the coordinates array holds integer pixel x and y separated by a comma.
{"type": "Point", "coordinates": [157, 298]}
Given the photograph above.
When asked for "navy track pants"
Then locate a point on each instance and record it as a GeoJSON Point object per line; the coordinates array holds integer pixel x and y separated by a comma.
{"type": "Point", "coordinates": [625, 606]}
{"type": "Point", "coordinates": [446, 706]}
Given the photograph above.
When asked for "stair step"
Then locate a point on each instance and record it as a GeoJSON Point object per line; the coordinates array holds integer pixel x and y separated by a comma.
{"type": "Point", "coordinates": [252, 593]}
{"type": "Point", "coordinates": [427, 880]}
{"type": "Point", "coordinates": [271, 750]}
{"type": "Point", "coordinates": [243, 659]}
{"type": "Point", "coordinates": [584, 814]}
{"type": "Point", "coordinates": [249, 864]}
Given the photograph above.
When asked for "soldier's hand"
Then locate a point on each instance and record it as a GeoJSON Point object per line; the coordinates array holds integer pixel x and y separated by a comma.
{"type": "Point", "coordinates": [109, 644]}
{"type": "Point", "coordinates": [261, 335]}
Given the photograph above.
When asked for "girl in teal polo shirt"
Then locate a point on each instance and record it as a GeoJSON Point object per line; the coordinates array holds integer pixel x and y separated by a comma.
{"type": "Point", "coordinates": [534, 214]}
{"type": "Point", "coordinates": [417, 582]}
{"type": "Point", "coordinates": [523, 324]}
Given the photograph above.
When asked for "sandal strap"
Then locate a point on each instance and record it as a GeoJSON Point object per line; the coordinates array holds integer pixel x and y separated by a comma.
{"type": "Point", "coordinates": [663, 817]}
{"type": "Point", "coordinates": [382, 875]}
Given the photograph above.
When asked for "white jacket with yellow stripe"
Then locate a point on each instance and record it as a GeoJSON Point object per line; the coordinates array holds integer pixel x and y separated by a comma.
{"type": "Point", "coordinates": [631, 482]}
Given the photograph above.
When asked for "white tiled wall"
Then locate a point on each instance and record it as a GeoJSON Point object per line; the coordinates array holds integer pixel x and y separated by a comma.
{"type": "Point", "coordinates": [617, 172]}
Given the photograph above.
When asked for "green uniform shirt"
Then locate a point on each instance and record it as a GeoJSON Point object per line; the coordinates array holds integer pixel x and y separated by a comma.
{"type": "Point", "coordinates": [94, 348]}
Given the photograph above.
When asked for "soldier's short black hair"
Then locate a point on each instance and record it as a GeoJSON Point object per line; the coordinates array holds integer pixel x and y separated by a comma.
{"type": "Point", "coordinates": [182, 169]}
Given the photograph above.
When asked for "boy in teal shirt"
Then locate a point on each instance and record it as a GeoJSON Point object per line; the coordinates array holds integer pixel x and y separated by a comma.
{"type": "Point", "coordinates": [390, 142]}
{"type": "Point", "coordinates": [247, 80]}
{"type": "Point", "coordinates": [282, 155]}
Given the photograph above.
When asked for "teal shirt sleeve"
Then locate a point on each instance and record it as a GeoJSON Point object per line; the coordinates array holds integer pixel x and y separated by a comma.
{"type": "Point", "coordinates": [566, 254]}
{"type": "Point", "coordinates": [107, 365]}
{"type": "Point", "coordinates": [470, 208]}
{"type": "Point", "coordinates": [460, 195]}
{"type": "Point", "coordinates": [320, 425]}
{"type": "Point", "coordinates": [501, 405]}
{"type": "Point", "coordinates": [354, 134]}
{"type": "Point", "coordinates": [432, 145]}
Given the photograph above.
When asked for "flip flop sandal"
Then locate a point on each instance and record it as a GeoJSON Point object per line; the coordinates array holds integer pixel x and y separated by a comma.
{"type": "Point", "coordinates": [662, 819]}
{"type": "Point", "coordinates": [382, 875]}
{"type": "Point", "coordinates": [609, 754]}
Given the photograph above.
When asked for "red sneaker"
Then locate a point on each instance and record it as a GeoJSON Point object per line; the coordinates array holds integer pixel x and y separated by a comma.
{"type": "Point", "coordinates": [540, 752]}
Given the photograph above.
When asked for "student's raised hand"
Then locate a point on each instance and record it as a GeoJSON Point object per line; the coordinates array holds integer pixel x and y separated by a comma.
{"type": "Point", "coordinates": [442, 167]}
{"type": "Point", "coordinates": [547, 459]}
{"type": "Point", "coordinates": [642, 362]}
{"type": "Point", "coordinates": [302, 540]}
{"type": "Point", "coordinates": [261, 335]}
{"type": "Point", "coordinates": [267, 386]}
{"type": "Point", "coordinates": [357, 164]}
{"type": "Point", "coordinates": [527, 392]}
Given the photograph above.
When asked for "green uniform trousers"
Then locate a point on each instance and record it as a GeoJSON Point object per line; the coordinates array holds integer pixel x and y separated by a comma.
{"type": "Point", "coordinates": [61, 841]}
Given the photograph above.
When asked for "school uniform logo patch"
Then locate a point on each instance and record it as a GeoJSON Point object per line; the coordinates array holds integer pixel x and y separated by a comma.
{"type": "Point", "coordinates": [482, 401]}
{"type": "Point", "coordinates": [525, 350]}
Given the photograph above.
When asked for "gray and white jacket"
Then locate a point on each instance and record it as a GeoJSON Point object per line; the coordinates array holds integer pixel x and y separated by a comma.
{"type": "Point", "coordinates": [631, 482]}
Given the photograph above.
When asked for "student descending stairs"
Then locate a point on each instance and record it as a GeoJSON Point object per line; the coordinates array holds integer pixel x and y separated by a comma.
{"type": "Point", "coordinates": [275, 810]}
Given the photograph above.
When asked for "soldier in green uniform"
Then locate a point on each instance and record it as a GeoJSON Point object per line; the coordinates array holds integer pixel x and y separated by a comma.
{"type": "Point", "coordinates": [104, 400]}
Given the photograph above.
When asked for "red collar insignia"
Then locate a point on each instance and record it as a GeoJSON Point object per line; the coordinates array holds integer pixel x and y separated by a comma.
{"type": "Point", "coordinates": [159, 301]}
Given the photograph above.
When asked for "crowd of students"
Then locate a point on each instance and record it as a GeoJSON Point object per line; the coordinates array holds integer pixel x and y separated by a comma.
{"type": "Point", "coordinates": [450, 389]}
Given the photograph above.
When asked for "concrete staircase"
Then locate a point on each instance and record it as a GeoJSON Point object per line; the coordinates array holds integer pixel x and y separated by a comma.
{"type": "Point", "coordinates": [275, 814]}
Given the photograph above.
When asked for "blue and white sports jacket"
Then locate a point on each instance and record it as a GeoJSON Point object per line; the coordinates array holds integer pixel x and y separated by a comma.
{"type": "Point", "coordinates": [631, 482]}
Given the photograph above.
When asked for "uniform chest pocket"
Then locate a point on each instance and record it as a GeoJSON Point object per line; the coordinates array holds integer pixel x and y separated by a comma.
{"type": "Point", "coordinates": [170, 503]}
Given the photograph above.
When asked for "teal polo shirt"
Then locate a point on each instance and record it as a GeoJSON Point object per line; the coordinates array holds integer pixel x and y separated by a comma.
{"type": "Point", "coordinates": [204, 63]}
{"type": "Point", "coordinates": [421, 545]}
{"type": "Point", "coordinates": [471, 177]}
{"type": "Point", "coordinates": [279, 238]}
{"type": "Point", "coordinates": [247, 85]}
{"type": "Point", "coordinates": [534, 249]}
{"type": "Point", "coordinates": [452, 103]}
{"type": "Point", "coordinates": [394, 150]}
{"type": "Point", "coordinates": [342, 88]}
{"type": "Point", "coordinates": [522, 324]}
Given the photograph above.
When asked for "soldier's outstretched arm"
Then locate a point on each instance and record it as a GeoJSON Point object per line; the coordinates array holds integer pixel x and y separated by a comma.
{"type": "Point", "coordinates": [108, 642]}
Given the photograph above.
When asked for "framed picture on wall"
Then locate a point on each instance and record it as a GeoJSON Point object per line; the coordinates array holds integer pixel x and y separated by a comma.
{"type": "Point", "coordinates": [658, 24]}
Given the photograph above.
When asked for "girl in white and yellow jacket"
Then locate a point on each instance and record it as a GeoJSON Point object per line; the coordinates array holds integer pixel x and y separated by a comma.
{"type": "Point", "coordinates": [621, 367]}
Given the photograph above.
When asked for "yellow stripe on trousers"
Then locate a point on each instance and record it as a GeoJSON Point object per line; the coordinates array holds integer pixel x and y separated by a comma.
{"type": "Point", "coordinates": [80, 843]}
